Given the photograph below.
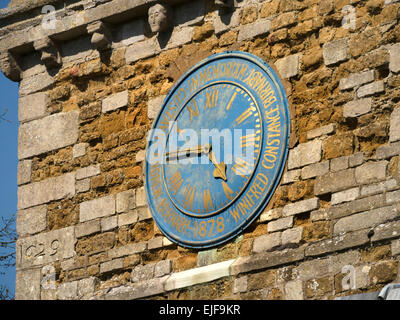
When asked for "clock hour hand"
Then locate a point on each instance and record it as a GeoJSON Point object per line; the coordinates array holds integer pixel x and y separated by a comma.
{"type": "Point", "coordinates": [187, 152]}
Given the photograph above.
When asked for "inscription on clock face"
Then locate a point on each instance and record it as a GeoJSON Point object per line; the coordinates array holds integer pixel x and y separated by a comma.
{"type": "Point", "coordinates": [217, 150]}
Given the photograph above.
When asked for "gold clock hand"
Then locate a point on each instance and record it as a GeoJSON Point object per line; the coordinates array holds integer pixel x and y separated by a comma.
{"type": "Point", "coordinates": [192, 150]}
{"type": "Point", "coordinates": [220, 168]}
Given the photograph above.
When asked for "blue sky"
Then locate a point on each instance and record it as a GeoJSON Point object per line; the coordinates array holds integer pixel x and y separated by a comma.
{"type": "Point", "coordinates": [8, 158]}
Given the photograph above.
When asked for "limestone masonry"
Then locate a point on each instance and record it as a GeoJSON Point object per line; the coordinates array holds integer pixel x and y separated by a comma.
{"type": "Point", "coordinates": [92, 77]}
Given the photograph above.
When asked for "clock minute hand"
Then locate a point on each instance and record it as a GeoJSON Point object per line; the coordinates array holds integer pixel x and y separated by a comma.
{"type": "Point", "coordinates": [220, 168]}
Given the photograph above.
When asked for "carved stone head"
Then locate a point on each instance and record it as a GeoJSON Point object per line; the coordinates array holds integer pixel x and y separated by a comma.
{"type": "Point", "coordinates": [159, 18]}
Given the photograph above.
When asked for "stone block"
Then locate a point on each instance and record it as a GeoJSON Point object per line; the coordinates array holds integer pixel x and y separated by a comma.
{"type": "Point", "coordinates": [388, 151]}
{"type": "Point", "coordinates": [315, 170]}
{"type": "Point", "coordinates": [240, 285]}
{"type": "Point", "coordinates": [128, 218]}
{"type": "Point", "coordinates": [162, 268]}
{"type": "Point", "coordinates": [394, 134]}
{"type": "Point", "coordinates": [336, 51]}
{"type": "Point", "coordinates": [47, 190]}
{"type": "Point", "coordinates": [143, 213]}
{"type": "Point", "coordinates": [319, 215]}
{"type": "Point", "coordinates": [357, 108]}
{"type": "Point", "coordinates": [271, 215]}
{"type": "Point", "coordinates": [141, 199]}
{"type": "Point", "coordinates": [294, 290]}
{"type": "Point", "coordinates": [394, 64]}
{"type": "Point", "coordinates": [155, 243]}
{"type": "Point", "coordinates": [199, 275]}
{"type": "Point", "coordinates": [345, 196]}
{"type": "Point", "coordinates": [267, 242]}
{"type": "Point", "coordinates": [289, 66]}
{"type": "Point", "coordinates": [32, 220]}
{"type": "Point", "coordinates": [304, 154]}
{"type": "Point", "coordinates": [348, 240]}
{"type": "Point", "coordinates": [393, 197]}
{"type": "Point", "coordinates": [180, 36]}
{"type": "Point", "coordinates": [366, 219]}
{"type": "Point", "coordinates": [86, 287]}
{"type": "Point", "coordinates": [395, 247]}
{"type": "Point", "coordinates": [356, 159]}
{"type": "Point", "coordinates": [88, 172]}
{"type": "Point", "coordinates": [24, 172]}
{"type": "Point", "coordinates": [291, 176]}
{"type": "Point", "coordinates": [292, 235]}
{"type": "Point", "coordinates": [87, 228]}
{"type": "Point", "coordinates": [378, 187]}
{"type": "Point", "coordinates": [115, 101]}
{"type": "Point", "coordinates": [68, 291]}
{"type": "Point", "coordinates": [97, 208]}
{"type": "Point", "coordinates": [355, 206]}
{"type": "Point", "coordinates": [321, 131]}
{"type": "Point", "coordinates": [386, 231]}
{"type": "Point", "coordinates": [113, 265]}
{"type": "Point", "coordinates": [154, 106]}
{"type": "Point", "coordinates": [27, 284]}
{"type": "Point", "coordinates": [280, 224]}
{"type": "Point", "coordinates": [46, 247]}
{"type": "Point", "coordinates": [252, 30]}
{"type": "Point", "coordinates": [127, 250]}
{"type": "Point", "coordinates": [140, 155]}
{"type": "Point", "coordinates": [371, 172]}
{"type": "Point", "coordinates": [109, 223]}
{"type": "Point", "coordinates": [226, 22]}
{"type": "Point", "coordinates": [284, 20]}
{"type": "Point", "coordinates": [125, 201]}
{"type": "Point", "coordinates": [35, 83]}
{"type": "Point", "coordinates": [338, 164]}
{"type": "Point", "coordinates": [357, 79]}
{"type": "Point", "coordinates": [167, 242]}
{"type": "Point", "coordinates": [266, 260]}
{"type": "Point", "coordinates": [141, 50]}
{"type": "Point", "coordinates": [336, 181]}
{"type": "Point", "coordinates": [301, 206]}
{"type": "Point", "coordinates": [371, 89]}
{"type": "Point", "coordinates": [47, 134]}
{"type": "Point", "coordinates": [143, 272]}
{"type": "Point", "coordinates": [79, 150]}
{"type": "Point", "coordinates": [204, 258]}
{"type": "Point", "coordinates": [32, 107]}
{"type": "Point", "coordinates": [82, 185]}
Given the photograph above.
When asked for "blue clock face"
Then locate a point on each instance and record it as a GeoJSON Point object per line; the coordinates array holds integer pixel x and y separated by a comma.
{"type": "Point", "coordinates": [217, 150]}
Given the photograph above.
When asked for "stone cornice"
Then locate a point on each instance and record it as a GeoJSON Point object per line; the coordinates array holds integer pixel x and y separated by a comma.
{"type": "Point", "coordinates": [72, 26]}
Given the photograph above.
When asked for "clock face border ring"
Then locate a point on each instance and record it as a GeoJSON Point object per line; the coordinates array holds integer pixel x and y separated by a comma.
{"type": "Point", "coordinates": [280, 93]}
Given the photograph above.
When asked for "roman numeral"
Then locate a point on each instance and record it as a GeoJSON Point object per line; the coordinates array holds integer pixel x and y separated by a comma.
{"type": "Point", "coordinates": [231, 101]}
{"type": "Point", "coordinates": [193, 109]}
{"type": "Point", "coordinates": [248, 113]}
{"type": "Point", "coordinates": [249, 140]}
{"type": "Point", "coordinates": [242, 167]}
{"type": "Point", "coordinates": [228, 191]}
{"type": "Point", "coordinates": [188, 197]}
{"type": "Point", "coordinates": [211, 99]}
{"type": "Point", "coordinates": [176, 182]}
{"type": "Point", "coordinates": [207, 200]}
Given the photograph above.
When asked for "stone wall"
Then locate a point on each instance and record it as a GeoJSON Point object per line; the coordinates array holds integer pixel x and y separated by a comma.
{"type": "Point", "coordinates": [85, 231]}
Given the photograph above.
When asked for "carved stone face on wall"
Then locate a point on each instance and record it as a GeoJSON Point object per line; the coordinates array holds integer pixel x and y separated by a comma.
{"type": "Point", "coordinates": [159, 18]}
